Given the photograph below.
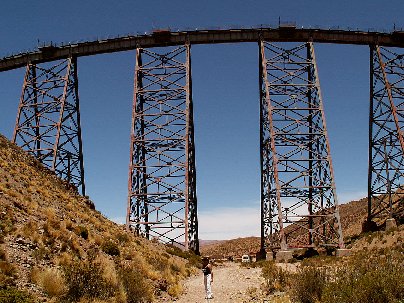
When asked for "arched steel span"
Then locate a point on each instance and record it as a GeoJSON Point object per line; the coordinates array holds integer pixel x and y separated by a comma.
{"type": "Point", "coordinates": [167, 38]}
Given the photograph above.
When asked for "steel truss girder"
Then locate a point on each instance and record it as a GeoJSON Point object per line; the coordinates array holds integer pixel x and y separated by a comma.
{"type": "Point", "coordinates": [386, 143]}
{"type": "Point", "coordinates": [162, 179]}
{"type": "Point", "coordinates": [297, 182]}
{"type": "Point", "coordinates": [48, 119]}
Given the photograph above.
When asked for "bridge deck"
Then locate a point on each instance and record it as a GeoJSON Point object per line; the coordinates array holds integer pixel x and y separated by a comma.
{"type": "Point", "coordinates": [167, 38]}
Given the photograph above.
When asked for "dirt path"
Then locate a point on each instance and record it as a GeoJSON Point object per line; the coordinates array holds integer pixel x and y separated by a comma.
{"type": "Point", "coordinates": [232, 283]}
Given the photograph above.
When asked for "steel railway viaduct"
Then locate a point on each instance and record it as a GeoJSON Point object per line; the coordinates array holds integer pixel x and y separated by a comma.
{"type": "Point", "coordinates": [297, 182]}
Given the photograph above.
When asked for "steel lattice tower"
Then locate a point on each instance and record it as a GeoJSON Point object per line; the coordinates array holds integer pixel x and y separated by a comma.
{"type": "Point", "coordinates": [48, 119]}
{"type": "Point", "coordinates": [162, 186]}
{"type": "Point", "coordinates": [386, 143]}
{"type": "Point", "coordinates": [297, 183]}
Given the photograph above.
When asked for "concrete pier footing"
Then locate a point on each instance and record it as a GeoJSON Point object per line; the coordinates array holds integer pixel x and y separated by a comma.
{"type": "Point", "coordinates": [391, 224]}
{"type": "Point", "coordinates": [284, 255]}
{"type": "Point", "coordinates": [342, 252]}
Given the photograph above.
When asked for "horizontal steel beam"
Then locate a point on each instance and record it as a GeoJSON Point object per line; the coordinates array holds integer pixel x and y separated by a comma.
{"type": "Point", "coordinates": [166, 38]}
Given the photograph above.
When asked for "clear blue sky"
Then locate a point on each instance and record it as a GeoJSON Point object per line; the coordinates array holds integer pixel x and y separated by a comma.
{"type": "Point", "coordinates": [225, 79]}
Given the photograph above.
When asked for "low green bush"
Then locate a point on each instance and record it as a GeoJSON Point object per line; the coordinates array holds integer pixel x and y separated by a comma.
{"type": "Point", "coordinates": [7, 274]}
{"type": "Point", "coordinates": [276, 279]}
{"type": "Point", "coordinates": [370, 276]}
{"type": "Point", "coordinates": [308, 284]}
{"type": "Point", "coordinates": [372, 279]}
{"type": "Point", "coordinates": [84, 279]}
{"type": "Point", "coordinates": [138, 289]}
{"type": "Point", "coordinates": [122, 237]}
{"type": "Point", "coordinates": [193, 259]}
{"type": "Point", "coordinates": [13, 295]}
{"type": "Point", "coordinates": [82, 231]}
{"type": "Point", "coordinates": [110, 248]}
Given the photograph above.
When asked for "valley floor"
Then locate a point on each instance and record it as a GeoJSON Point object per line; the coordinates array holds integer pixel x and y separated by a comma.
{"type": "Point", "coordinates": [232, 283]}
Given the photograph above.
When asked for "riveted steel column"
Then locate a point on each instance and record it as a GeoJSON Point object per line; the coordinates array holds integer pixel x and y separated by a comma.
{"type": "Point", "coordinates": [162, 179]}
{"type": "Point", "coordinates": [386, 141]}
{"type": "Point", "coordinates": [270, 183]}
{"type": "Point", "coordinates": [191, 239]}
{"type": "Point", "coordinates": [300, 207]}
{"type": "Point", "coordinates": [48, 119]}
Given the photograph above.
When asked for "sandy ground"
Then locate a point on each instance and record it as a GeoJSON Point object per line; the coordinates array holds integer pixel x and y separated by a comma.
{"type": "Point", "coordinates": [232, 283]}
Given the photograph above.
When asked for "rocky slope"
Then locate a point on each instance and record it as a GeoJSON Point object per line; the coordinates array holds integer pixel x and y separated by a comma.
{"type": "Point", "coordinates": [50, 235]}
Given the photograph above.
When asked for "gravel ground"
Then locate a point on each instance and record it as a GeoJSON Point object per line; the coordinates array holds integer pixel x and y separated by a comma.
{"type": "Point", "coordinates": [232, 283]}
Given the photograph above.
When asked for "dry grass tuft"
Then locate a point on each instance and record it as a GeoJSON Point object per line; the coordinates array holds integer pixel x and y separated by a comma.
{"type": "Point", "coordinates": [51, 280]}
{"type": "Point", "coordinates": [109, 272]}
{"type": "Point", "coordinates": [276, 279]}
{"type": "Point", "coordinates": [136, 287]}
{"type": "Point", "coordinates": [175, 290]}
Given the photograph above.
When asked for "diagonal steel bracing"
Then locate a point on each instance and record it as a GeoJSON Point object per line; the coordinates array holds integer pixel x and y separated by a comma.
{"type": "Point", "coordinates": [48, 119]}
{"type": "Point", "coordinates": [162, 186]}
{"type": "Point", "coordinates": [386, 143]}
{"type": "Point", "coordinates": [297, 183]}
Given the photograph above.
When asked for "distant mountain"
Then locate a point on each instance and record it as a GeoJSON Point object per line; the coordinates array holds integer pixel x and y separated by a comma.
{"type": "Point", "coordinates": [352, 214]}
{"type": "Point", "coordinates": [231, 248]}
{"type": "Point", "coordinates": [209, 242]}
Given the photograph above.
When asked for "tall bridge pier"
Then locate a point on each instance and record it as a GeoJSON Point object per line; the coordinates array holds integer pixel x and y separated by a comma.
{"type": "Point", "coordinates": [162, 178]}
{"type": "Point", "coordinates": [297, 179]}
{"type": "Point", "coordinates": [386, 142]}
{"type": "Point", "coordinates": [48, 119]}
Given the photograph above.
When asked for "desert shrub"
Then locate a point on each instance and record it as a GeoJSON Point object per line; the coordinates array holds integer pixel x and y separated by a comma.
{"type": "Point", "coordinates": [193, 259]}
{"type": "Point", "coordinates": [122, 237]}
{"type": "Point", "coordinates": [375, 278]}
{"type": "Point", "coordinates": [308, 284]}
{"type": "Point", "coordinates": [110, 248]}
{"type": "Point", "coordinates": [253, 293]}
{"type": "Point", "coordinates": [7, 268]}
{"type": "Point", "coordinates": [137, 287]}
{"type": "Point", "coordinates": [370, 276]}
{"type": "Point", "coordinates": [82, 232]}
{"type": "Point", "coordinates": [2, 255]}
{"type": "Point", "coordinates": [40, 253]}
{"type": "Point", "coordinates": [257, 264]}
{"type": "Point", "coordinates": [29, 229]}
{"type": "Point", "coordinates": [158, 263]}
{"type": "Point", "coordinates": [49, 234]}
{"type": "Point", "coordinates": [6, 223]}
{"type": "Point", "coordinates": [109, 271]}
{"type": "Point", "coordinates": [176, 268]}
{"type": "Point", "coordinates": [7, 274]}
{"type": "Point", "coordinates": [276, 279]}
{"type": "Point", "coordinates": [74, 245]}
{"type": "Point", "coordinates": [318, 261]}
{"type": "Point", "coordinates": [13, 295]}
{"type": "Point", "coordinates": [175, 290]}
{"type": "Point", "coordinates": [85, 279]}
{"type": "Point", "coordinates": [51, 280]}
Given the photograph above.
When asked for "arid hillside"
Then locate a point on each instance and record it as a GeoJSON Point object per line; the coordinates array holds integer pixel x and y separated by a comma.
{"type": "Point", "coordinates": [352, 214]}
{"type": "Point", "coordinates": [55, 247]}
{"type": "Point", "coordinates": [231, 248]}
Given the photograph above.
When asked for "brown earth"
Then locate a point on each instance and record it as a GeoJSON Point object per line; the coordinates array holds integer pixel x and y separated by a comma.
{"type": "Point", "coordinates": [232, 283]}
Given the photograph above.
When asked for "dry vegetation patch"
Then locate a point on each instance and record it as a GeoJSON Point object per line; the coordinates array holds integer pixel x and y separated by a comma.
{"type": "Point", "coordinates": [55, 247]}
{"type": "Point", "coordinates": [365, 276]}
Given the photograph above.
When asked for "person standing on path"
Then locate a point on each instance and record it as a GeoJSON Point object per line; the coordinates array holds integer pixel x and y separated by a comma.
{"type": "Point", "coordinates": [207, 277]}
